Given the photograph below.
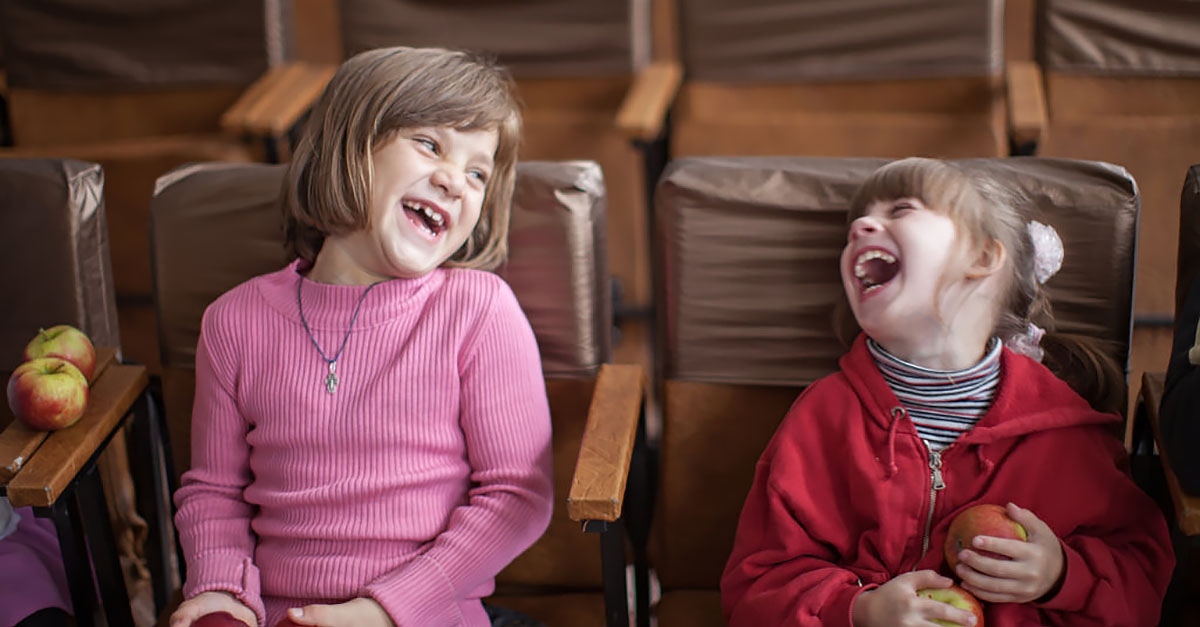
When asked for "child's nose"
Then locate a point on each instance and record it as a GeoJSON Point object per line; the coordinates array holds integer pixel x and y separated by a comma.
{"type": "Point", "coordinates": [446, 180]}
{"type": "Point", "coordinates": [864, 225]}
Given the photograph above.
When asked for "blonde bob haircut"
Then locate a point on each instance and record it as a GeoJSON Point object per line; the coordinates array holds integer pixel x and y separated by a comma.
{"type": "Point", "coordinates": [372, 96]}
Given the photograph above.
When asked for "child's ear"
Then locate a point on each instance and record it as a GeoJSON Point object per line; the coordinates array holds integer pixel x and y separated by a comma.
{"type": "Point", "coordinates": [988, 260]}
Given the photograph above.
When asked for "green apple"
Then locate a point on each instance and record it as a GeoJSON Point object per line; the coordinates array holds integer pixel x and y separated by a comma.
{"type": "Point", "coordinates": [957, 597]}
{"type": "Point", "coordinates": [64, 342]}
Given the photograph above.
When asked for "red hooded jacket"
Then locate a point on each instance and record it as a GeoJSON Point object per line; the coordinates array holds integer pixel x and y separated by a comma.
{"type": "Point", "coordinates": [843, 501]}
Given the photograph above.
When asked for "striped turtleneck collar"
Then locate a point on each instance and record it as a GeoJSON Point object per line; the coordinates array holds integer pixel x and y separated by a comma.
{"type": "Point", "coordinates": [943, 404]}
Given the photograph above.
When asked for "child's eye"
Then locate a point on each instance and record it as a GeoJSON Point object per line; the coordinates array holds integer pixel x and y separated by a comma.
{"type": "Point", "coordinates": [901, 207]}
{"type": "Point", "coordinates": [479, 175]}
{"type": "Point", "coordinates": [429, 144]}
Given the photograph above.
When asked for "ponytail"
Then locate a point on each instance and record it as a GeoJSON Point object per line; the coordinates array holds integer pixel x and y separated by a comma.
{"type": "Point", "coordinates": [1087, 365]}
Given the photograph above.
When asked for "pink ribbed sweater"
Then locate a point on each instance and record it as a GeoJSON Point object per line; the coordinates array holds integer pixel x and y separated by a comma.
{"type": "Point", "coordinates": [414, 484]}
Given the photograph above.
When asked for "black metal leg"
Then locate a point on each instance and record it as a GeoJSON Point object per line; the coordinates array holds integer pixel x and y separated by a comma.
{"type": "Point", "coordinates": [75, 559]}
{"type": "Point", "coordinates": [612, 561]}
{"type": "Point", "coordinates": [105, 560]}
{"type": "Point", "coordinates": [150, 463]}
{"type": "Point", "coordinates": [639, 507]}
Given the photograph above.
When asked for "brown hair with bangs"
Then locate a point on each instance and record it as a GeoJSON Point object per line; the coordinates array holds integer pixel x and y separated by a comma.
{"type": "Point", "coordinates": [988, 213]}
{"type": "Point", "coordinates": [372, 96]}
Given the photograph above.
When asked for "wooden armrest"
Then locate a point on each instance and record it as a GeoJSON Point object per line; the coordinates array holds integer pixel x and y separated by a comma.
{"type": "Point", "coordinates": [1187, 507]}
{"type": "Point", "coordinates": [18, 442]}
{"type": "Point", "coordinates": [644, 110]}
{"type": "Point", "coordinates": [275, 102]}
{"type": "Point", "coordinates": [598, 486]}
{"type": "Point", "coordinates": [1027, 117]}
{"type": "Point", "coordinates": [64, 452]}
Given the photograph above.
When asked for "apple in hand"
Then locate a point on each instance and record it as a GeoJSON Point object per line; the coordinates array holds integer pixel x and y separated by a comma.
{"type": "Point", "coordinates": [64, 342]}
{"type": "Point", "coordinates": [218, 619]}
{"type": "Point", "coordinates": [47, 393]}
{"type": "Point", "coordinates": [980, 520]}
{"type": "Point", "coordinates": [957, 597]}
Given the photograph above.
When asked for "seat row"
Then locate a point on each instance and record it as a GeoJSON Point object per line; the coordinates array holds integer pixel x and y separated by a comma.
{"type": "Point", "coordinates": [658, 461]}
{"type": "Point", "coordinates": [629, 85]}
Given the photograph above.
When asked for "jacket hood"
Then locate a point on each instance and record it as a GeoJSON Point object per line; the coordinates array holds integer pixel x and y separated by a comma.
{"type": "Point", "coordinates": [1028, 399]}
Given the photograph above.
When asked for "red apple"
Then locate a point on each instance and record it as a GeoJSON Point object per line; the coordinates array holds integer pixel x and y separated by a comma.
{"type": "Point", "coordinates": [47, 393]}
{"type": "Point", "coordinates": [64, 342]}
{"type": "Point", "coordinates": [957, 597]}
{"type": "Point", "coordinates": [218, 619]}
{"type": "Point", "coordinates": [980, 520]}
{"type": "Point", "coordinates": [287, 622]}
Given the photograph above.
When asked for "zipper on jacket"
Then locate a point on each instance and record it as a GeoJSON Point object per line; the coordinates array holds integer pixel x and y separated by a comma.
{"type": "Point", "coordinates": [936, 484]}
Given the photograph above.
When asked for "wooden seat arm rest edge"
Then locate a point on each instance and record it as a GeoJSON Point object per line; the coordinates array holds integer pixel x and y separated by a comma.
{"type": "Point", "coordinates": [1187, 506]}
{"type": "Point", "coordinates": [643, 113]}
{"type": "Point", "coordinates": [1027, 118]}
{"type": "Point", "coordinates": [65, 452]}
{"type": "Point", "coordinates": [276, 101]}
{"type": "Point", "coordinates": [602, 469]}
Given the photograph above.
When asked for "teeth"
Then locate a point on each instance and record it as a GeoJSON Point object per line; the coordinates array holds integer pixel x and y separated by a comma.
{"type": "Point", "coordinates": [435, 217]}
{"type": "Point", "coordinates": [860, 264]}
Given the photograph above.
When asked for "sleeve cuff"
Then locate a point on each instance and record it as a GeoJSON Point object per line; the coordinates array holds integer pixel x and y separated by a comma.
{"type": "Point", "coordinates": [239, 578]}
{"type": "Point", "coordinates": [417, 595]}
{"type": "Point", "coordinates": [839, 612]}
{"type": "Point", "coordinates": [1076, 585]}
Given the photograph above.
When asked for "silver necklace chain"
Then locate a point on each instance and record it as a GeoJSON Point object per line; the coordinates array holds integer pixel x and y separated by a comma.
{"type": "Point", "coordinates": [331, 379]}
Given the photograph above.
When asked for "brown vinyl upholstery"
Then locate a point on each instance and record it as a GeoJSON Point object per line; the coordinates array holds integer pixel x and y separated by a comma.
{"type": "Point", "coordinates": [138, 88]}
{"type": "Point", "coordinates": [216, 225]}
{"type": "Point", "coordinates": [881, 78]}
{"type": "Point", "coordinates": [749, 252]}
{"type": "Point", "coordinates": [1122, 83]}
{"type": "Point", "coordinates": [575, 62]}
{"type": "Point", "coordinates": [54, 245]}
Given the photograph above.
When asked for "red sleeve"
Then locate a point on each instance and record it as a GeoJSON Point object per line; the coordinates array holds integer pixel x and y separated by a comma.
{"type": "Point", "coordinates": [777, 574]}
{"type": "Point", "coordinates": [1119, 557]}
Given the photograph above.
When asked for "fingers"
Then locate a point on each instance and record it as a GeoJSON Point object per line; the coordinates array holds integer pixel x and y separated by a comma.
{"type": "Point", "coordinates": [937, 610]}
{"type": "Point", "coordinates": [309, 615]}
{"type": "Point", "coordinates": [925, 579]}
{"type": "Point", "coordinates": [990, 588]}
{"type": "Point", "coordinates": [1033, 525]}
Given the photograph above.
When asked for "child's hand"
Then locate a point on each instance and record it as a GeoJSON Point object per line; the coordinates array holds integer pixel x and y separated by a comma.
{"type": "Point", "coordinates": [361, 612]}
{"type": "Point", "coordinates": [1033, 568]}
{"type": "Point", "coordinates": [896, 603]}
{"type": "Point", "coordinates": [210, 603]}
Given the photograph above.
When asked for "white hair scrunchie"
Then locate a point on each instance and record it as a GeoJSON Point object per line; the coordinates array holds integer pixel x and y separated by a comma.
{"type": "Point", "coordinates": [1047, 261]}
{"type": "Point", "coordinates": [1028, 343]}
{"type": "Point", "coordinates": [1047, 251]}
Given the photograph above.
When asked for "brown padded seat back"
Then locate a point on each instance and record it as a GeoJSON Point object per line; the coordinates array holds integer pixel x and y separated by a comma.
{"type": "Point", "coordinates": [749, 252]}
{"type": "Point", "coordinates": [55, 251]}
{"type": "Point", "coordinates": [214, 226]}
{"type": "Point", "coordinates": [841, 78]}
{"type": "Point", "coordinates": [823, 40]}
{"type": "Point", "coordinates": [1120, 38]}
{"type": "Point", "coordinates": [556, 253]}
{"type": "Point", "coordinates": [1189, 235]}
{"type": "Point", "coordinates": [90, 44]}
{"type": "Point", "coordinates": [564, 38]}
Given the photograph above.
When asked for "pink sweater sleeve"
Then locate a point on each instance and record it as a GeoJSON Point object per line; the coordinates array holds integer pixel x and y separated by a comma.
{"type": "Point", "coordinates": [506, 422]}
{"type": "Point", "coordinates": [213, 518]}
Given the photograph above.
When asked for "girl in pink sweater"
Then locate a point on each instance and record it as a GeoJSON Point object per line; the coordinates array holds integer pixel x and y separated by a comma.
{"type": "Point", "coordinates": [370, 434]}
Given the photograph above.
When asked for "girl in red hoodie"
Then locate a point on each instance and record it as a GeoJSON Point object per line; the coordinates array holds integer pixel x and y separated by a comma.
{"type": "Point", "coordinates": [943, 403]}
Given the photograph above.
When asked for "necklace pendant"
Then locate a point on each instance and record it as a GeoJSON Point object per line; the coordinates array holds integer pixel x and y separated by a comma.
{"type": "Point", "coordinates": [331, 380]}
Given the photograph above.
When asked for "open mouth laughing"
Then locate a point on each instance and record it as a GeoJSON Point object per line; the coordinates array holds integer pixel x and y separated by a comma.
{"type": "Point", "coordinates": [873, 268]}
{"type": "Point", "coordinates": [428, 217]}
